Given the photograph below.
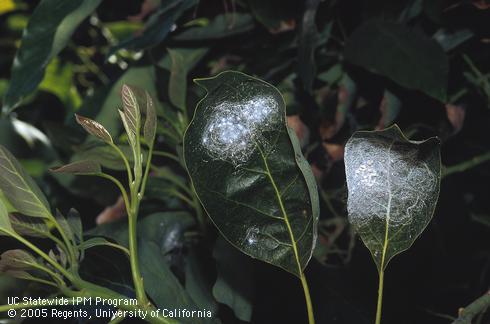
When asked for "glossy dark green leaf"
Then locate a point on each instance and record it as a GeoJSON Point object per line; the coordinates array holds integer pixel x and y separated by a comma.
{"type": "Point", "coordinates": [4, 219]}
{"type": "Point", "coordinates": [221, 26]}
{"type": "Point", "coordinates": [272, 13]}
{"type": "Point", "coordinates": [94, 128]}
{"type": "Point", "coordinates": [157, 27]}
{"type": "Point", "coordinates": [159, 235]}
{"type": "Point", "coordinates": [393, 186]}
{"type": "Point", "coordinates": [249, 173]}
{"type": "Point", "coordinates": [20, 189]}
{"type": "Point", "coordinates": [450, 39]}
{"type": "Point", "coordinates": [86, 167]}
{"type": "Point", "coordinates": [234, 286]}
{"type": "Point", "coordinates": [307, 45]}
{"type": "Point", "coordinates": [407, 57]}
{"type": "Point", "coordinates": [49, 30]}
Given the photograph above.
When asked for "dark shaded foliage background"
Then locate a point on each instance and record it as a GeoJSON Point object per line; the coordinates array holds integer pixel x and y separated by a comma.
{"type": "Point", "coordinates": [341, 66]}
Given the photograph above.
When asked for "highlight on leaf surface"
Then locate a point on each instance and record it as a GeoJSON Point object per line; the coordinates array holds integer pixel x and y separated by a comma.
{"type": "Point", "coordinates": [249, 173]}
{"type": "Point", "coordinates": [393, 187]}
{"type": "Point", "coordinates": [20, 189]}
{"type": "Point", "coordinates": [94, 128]}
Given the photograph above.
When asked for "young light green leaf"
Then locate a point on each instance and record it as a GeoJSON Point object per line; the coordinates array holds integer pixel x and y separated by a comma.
{"type": "Point", "coordinates": [29, 226]}
{"type": "Point", "coordinates": [393, 186]}
{"type": "Point", "coordinates": [100, 241]}
{"type": "Point", "coordinates": [20, 189]}
{"type": "Point", "coordinates": [94, 128]}
{"type": "Point", "coordinates": [150, 127]}
{"type": "Point", "coordinates": [249, 173]}
{"type": "Point", "coordinates": [65, 227]}
{"type": "Point", "coordinates": [4, 219]}
{"type": "Point", "coordinates": [74, 221]}
{"type": "Point", "coordinates": [86, 167]}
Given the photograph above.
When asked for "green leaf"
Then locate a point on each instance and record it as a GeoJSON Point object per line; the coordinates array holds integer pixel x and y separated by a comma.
{"type": "Point", "coordinates": [4, 219]}
{"type": "Point", "coordinates": [65, 227]}
{"type": "Point", "coordinates": [407, 57]}
{"type": "Point", "coordinates": [16, 260]}
{"type": "Point", "coordinates": [29, 226]}
{"type": "Point", "coordinates": [86, 167]}
{"type": "Point", "coordinates": [221, 26]}
{"type": "Point", "coordinates": [180, 61]}
{"type": "Point", "coordinates": [94, 128]}
{"type": "Point", "coordinates": [157, 27]}
{"type": "Point", "coordinates": [50, 27]}
{"type": "Point", "coordinates": [20, 189]}
{"type": "Point", "coordinates": [234, 286]}
{"type": "Point", "coordinates": [159, 235]}
{"type": "Point", "coordinates": [75, 223]}
{"type": "Point", "coordinates": [272, 13]}
{"type": "Point", "coordinates": [249, 173]}
{"type": "Point", "coordinates": [106, 156]}
{"type": "Point", "coordinates": [150, 127]}
{"type": "Point", "coordinates": [307, 44]}
{"type": "Point", "coordinates": [393, 186]}
{"type": "Point", "coordinates": [100, 241]}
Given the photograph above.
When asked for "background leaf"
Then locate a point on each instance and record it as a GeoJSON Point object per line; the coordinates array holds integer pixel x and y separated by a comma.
{"type": "Point", "coordinates": [50, 28]}
{"type": "Point", "coordinates": [407, 57]}
{"type": "Point", "coordinates": [237, 148]}
{"type": "Point", "coordinates": [393, 188]}
{"type": "Point", "coordinates": [4, 219]}
{"type": "Point", "coordinates": [157, 27]}
{"type": "Point", "coordinates": [233, 285]}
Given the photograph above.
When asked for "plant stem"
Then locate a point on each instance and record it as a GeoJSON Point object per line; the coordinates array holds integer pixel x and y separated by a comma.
{"type": "Point", "coordinates": [465, 165]}
{"type": "Point", "coordinates": [309, 305]}
{"type": "Point", "coordinates": [43, 255]}
{"type": "Point", "coordinates": [467, 314]}
{"type": "Point", "coordinates": [133, 248]}
{"type": "Point", "coordinates": [125, 160]}
{"type": "Point", "coordinates": [380, 296]}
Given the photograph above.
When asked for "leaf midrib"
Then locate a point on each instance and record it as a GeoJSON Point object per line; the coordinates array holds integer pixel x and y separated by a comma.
{"type": "Point", "coordinates": [283, 210]}
{"type": "Point", "coordinates": [14, 171]}
{"type": "Point", "coordinates": [388, 210]}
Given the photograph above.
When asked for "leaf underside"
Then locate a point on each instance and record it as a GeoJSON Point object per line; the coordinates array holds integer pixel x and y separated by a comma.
{"type": "Point", "coordinates": [393, 186]}
{"type": "Point", "coordinates": [249, 173]}
{"type": "Point", "coordinates": [19, 188]}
